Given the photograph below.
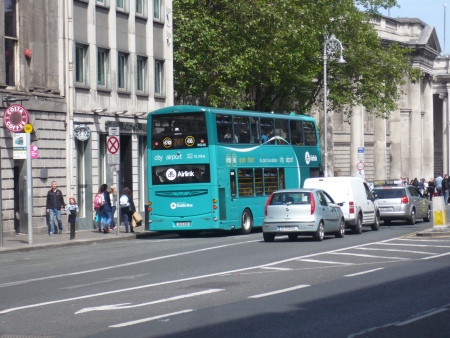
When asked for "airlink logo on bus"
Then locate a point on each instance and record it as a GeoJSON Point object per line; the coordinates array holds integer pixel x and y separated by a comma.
{"type": "Point", "coordinates": [172, 174]}
{"type": "Point", "coordinates": [310, 158]}
{"type": "Point", "coordinates": [174, 205]}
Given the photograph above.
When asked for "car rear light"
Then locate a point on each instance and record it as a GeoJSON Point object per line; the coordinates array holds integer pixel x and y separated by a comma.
{"type": "Point", "coordinates": [351, 207]}
{"type": "Point", "coordinates": [267, 204]}
{"type": "Point", "coordinates": [405, 200]}
{"type": "Point", "coordinates": [313, 203]}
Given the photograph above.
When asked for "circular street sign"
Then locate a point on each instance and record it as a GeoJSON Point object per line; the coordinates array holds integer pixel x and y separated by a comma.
{"type": "Point", "coordinates": [113, 145]}
{"type": "Point", "coordinates": [15, 118]}
{"type": "Point", "coordinates": [28, 128]}
{"type": "Point", "coordinates": [360, 165]}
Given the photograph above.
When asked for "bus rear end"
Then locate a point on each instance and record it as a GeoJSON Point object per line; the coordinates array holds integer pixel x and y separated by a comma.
{"type": "Point", "coordinates": [180, 193]}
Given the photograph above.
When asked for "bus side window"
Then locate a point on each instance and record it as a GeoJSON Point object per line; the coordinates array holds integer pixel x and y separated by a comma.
{"type": "Point", "coordinates": [310, 133]}
{"type": "Point", "coordinates": [267, 130]}
{"type": "Point", "coordinates": [223, 123]}
{"type": "Point", "coordinates": [296, 133]}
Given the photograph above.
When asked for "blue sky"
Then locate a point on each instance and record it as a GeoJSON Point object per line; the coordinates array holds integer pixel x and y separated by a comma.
{"type": "Point", "coordinates": [429, 11]}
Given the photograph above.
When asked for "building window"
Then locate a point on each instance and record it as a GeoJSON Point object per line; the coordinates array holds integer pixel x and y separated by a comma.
{"type": "Point", "coordinates": [122, 5]}
{"type": "Point", "coordinates": [139, 7]}
{"type": "Point", "coordinates": [122, 71]}
{"type": "Point", "coordinates": [158, 10]}
{"type": "Point", "coordinates": [81, 65]}
{"type": "Point", "coordinates": [102, 68]}
{"type": "Point", "coordinates": [141, 71]}
{"type": "Point", "coordinates": [10, 41]}
{"type": "Point", "coordinates": [159, 77]}
{"type": "Point", "coordinates": [104, 3]}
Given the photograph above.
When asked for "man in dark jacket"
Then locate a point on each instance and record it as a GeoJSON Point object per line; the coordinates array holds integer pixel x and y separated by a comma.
{"type": "Point", "coordinates": [55, 202]}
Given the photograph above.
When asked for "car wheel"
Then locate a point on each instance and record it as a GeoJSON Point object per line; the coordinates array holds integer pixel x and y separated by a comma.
{"type": "Point", "coordinates": [357, 229]}
{"type": "Point", "coordinates": [268, 237]}
{"type": "Point", "coordinates": [412, 217]}
{"type": "Point", "coordinates": [318, 235]}
{"type": "Point", "coordinates": [341, 232]}
{"type": "Point", "coordinates": [246, 222]}
{"type": "Point", "coordinates": [428, 217]}
{"type": "Point", "coordinates": [292, 237]}
{"type": "Point", "coordinates": [376, 226]}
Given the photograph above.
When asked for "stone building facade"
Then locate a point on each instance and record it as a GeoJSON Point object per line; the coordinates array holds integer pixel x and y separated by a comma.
{"type": "Point", "coordinates": [408, 144]}
{"type": "Point", "coordinates": [94, 64]}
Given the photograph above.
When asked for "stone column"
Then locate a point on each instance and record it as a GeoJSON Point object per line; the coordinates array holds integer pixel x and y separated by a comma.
{"type": "Point", "coordinates": [443, 98]}
{"type": "Point", "coordinates": [356, 138]}
{"type": "Point", "coordinates": [414, 165]}
{"type": "Point", "coordinates": [379, 149]}
{"type": "Point", "coordinates": [395, 125]}
{"type": "Point", "coordinates": [428, 135]}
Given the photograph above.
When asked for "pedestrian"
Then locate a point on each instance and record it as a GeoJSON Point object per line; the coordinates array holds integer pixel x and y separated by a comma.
{"type": "Point", "coordinates": [55, 202]}
{"type": "Point", "coordinates": [113, 198]}
{"type": "Point", "coordinates": [415, 183]}
{"type": "Point", "coordinates": [438, 184]}
{"type": "Point", "coordinates": [106, 210]}
{"type": "Point", "coordinates": [445, 188]}
{"type": "Point", "coordinates": [431, 188]}
{"type": "Point", "coordinates": [127, 208]}
{"type": "Point", "coordinates": [99, 202]}
{"type": "Point", "coordinates": [73, 210]}
{"type": "Point", "coordinates": [422, 186]}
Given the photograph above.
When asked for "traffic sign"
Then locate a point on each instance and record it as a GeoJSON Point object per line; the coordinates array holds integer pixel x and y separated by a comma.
{"type": "Point", "coordinates": [113, 149]}
{"type": "Point", "coordinates": [114, 131]}
{"type": "Point", "coordinates": [360, 165]}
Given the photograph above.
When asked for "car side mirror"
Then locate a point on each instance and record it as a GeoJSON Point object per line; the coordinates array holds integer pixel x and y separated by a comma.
{"type": "Point", "coordinates": [375, 196]}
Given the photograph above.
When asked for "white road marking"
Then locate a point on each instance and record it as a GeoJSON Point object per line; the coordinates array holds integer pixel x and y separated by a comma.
{"type": "Point", "coordinates": [128, 306]}
{"type": "Point", "coordinates": [324, 262]}
{"type": "Point", "coordinates": [144, 320]}
{"type": "Point", "coordinates": [420, 317]}
{"type": "Point", "coordinates": [420, 245]}
{"type": "Point", "coordinates": [279, 291]}
{"type": "Point", "coordinates": [273, 268]}
{"type": "Point", "coordinates": [363, 272]}
{"type": "Point", "coordinates": [437, 256]}
{"type": "Point", "coordinates": [397, 250]}
{"type": "Point", "coordinates": [369, 256]}
{"type": "Point", "coordinates": [123, 265]}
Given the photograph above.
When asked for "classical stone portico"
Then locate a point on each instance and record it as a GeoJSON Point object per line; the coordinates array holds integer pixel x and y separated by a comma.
{"type": "Point", "coordinates": [414, 141]}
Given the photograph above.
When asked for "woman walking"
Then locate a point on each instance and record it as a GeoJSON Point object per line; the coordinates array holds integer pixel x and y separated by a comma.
{"type": "Point", "coordinates": [127, 208]}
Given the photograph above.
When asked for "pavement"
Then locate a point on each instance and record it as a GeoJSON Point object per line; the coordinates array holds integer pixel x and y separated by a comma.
{"type": "Point", "coordinates": [20, 243]}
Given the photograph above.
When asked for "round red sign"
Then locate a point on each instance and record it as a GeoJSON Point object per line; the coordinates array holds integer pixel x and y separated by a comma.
{"type": "Point", "coordinates": [15, 118]}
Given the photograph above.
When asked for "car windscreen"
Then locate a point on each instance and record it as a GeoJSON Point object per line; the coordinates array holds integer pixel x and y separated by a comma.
{"type": "Point", "coordinates": [291, 197]}
{"type": "Point", "coordinates": [390, 193]}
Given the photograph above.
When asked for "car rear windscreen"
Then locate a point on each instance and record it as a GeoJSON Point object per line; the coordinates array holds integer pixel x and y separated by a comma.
{"type": "Point", "coordinates": [390, 193]}
{"type": "Point", "coordinates": [291, 197]}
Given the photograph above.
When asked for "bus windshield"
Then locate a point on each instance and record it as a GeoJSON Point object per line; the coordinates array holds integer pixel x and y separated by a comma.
{"type": "Point", "coordinates": [178, 131]}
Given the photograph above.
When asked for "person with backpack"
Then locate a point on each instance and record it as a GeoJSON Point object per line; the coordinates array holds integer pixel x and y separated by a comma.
{"type": "Point", "coordinates": [106, 209]}
{"type": "Point", "coordinates": [99, 201]}
{"type": "Point", "coordinates": [127, 208]}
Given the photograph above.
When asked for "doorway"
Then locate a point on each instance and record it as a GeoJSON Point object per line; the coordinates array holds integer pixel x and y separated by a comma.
{"type": "Point", "coordinates": [126, 162]}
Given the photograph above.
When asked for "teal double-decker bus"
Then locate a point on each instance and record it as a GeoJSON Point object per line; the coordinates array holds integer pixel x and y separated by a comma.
{"type": "Point", "coordinates": [213, 169]}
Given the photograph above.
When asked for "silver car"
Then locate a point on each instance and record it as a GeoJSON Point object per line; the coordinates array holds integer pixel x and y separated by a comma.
{"type": "Point", "coordinates": [402, 203]}
{"type": "Point", "coordinates": [294, 212]}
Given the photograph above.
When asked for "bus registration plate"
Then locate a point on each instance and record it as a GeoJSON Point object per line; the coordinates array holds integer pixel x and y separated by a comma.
{"type": "Point", "coordinates": [182, 224]}
{"type": "Point", "coordinates": [287, 228]}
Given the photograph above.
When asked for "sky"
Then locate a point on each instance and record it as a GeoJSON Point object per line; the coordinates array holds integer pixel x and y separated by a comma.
{"type": "Point", "coordinates": [431, 12]}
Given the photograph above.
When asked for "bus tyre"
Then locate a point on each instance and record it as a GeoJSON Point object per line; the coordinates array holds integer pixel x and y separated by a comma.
{"type": "Point", "coordinates": [357, 229]}
{"type": "Point", "coordinates": [268, 237]}
{"type": "Point", "coordinates": [246, 222]}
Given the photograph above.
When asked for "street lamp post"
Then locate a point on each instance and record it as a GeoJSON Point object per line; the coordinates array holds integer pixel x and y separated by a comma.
{"type": "Point", "coordinates": [330, 46]}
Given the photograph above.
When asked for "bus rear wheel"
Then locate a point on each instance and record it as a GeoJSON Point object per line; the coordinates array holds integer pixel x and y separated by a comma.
{"type": "Point", "coordinates": [246, 222]}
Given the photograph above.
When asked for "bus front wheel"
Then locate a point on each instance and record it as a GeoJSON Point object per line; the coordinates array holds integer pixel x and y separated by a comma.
{"type": "Point", "coordinates": [246, 222]}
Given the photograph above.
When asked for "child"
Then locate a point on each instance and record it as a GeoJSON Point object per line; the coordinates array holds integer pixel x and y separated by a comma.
{"type": "Point", "coordinates": [73, 209]}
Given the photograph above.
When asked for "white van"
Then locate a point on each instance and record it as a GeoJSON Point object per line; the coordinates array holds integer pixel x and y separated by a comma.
{"type": "Point", "coordinates": [359, 207]}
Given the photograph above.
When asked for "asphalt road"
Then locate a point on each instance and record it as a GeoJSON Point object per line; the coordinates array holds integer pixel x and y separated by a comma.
{"type": "Point", "coordinates": [387, 283]}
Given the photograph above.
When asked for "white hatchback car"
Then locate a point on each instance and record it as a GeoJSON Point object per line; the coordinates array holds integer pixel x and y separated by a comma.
{"type": "Point", "coordinates": [294, 212]}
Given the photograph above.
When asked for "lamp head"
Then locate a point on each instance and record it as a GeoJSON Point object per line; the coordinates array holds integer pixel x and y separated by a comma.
{"type": "Point", "coordinates": [341, 61]}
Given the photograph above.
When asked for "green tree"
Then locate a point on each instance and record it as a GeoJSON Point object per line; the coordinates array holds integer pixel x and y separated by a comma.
{"type": "Point", "coordinates": [268, 55]}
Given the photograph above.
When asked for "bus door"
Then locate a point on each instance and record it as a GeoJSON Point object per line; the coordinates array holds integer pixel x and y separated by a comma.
{"type": "Point", "coordinates": [227, 196]}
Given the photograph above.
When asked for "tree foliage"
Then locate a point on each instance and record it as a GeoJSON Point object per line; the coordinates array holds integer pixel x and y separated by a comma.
{"type": "Point", "coordinates": [268, 55]}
